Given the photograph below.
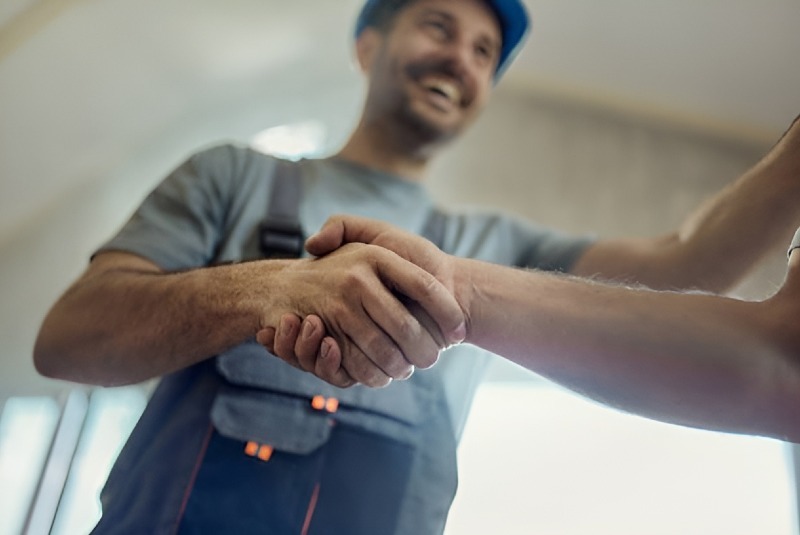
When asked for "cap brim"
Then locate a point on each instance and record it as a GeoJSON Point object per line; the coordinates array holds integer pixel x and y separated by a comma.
{"type": "Point", "coordinates": [515, 26]}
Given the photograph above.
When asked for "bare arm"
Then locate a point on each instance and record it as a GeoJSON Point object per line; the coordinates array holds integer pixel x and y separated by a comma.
{"type": "Point", "coordinates": [697, 360]}
{"type": "Point", "coordinates": [125, 320]}
{"type": "Point", "coordinates": [753, 216]}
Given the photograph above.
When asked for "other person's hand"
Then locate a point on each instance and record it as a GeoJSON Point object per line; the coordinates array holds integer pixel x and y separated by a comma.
{"type": "Point", "coordinates": [305, 344]}
{"type": "Point", "coordinates": [359, 296]}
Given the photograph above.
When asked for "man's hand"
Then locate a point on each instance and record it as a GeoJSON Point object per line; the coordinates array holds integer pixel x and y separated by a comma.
{"type": "Point", "coordinates": [343, 229]}
{"type": "Point", "coordinates": [304, 344]}
{"type": "Point", "coordinates": [358, 295]}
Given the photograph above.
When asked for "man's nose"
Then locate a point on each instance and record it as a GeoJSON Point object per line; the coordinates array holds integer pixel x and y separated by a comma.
{"type": "Point", "coordinates": [459, 58]}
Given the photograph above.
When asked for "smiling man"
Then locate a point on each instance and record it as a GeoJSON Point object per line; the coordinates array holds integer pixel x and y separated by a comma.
{"type": "Point", "coordinates": [431, 66]}
{"type": "Point", "coordinates": [234, 440]}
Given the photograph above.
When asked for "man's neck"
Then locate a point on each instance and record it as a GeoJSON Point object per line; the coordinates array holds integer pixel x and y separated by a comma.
{"type": "Point", "coordinates": [371, 147]}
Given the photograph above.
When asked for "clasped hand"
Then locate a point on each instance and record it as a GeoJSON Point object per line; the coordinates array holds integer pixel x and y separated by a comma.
{"type": "Point", "coordinates": [362, 313]}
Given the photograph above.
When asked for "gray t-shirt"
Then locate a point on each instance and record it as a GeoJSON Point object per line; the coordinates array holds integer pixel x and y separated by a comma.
{"type": "Point", "coordinates": [209, 210]}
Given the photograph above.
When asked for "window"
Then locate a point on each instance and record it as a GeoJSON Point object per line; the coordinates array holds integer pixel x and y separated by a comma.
{"type": "Point", "coordinates": [54, 459]}
{"type": "Point", "coordinates": [538, 459]}
{"type": "Point", "coordinates": [292, 141]}
{"type": "Point", "coordinates": [27, 426]}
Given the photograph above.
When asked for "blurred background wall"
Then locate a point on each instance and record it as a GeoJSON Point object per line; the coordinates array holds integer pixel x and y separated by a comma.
{"type": "Point", "coordinates": [618, 119]}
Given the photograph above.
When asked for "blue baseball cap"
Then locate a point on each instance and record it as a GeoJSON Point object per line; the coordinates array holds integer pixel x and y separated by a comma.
{"type": "Point", "coordinates": [514, 25]}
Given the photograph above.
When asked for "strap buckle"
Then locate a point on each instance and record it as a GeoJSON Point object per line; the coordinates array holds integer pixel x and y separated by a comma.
{"type": "Point", "coordinates": [281, 238]}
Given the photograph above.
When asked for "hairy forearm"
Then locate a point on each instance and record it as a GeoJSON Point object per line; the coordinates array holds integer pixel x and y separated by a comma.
{"type": "Point", "coordinates": [124, 325]}
{"type": "Point", "coordinates": [126, 321]}
{"type": "Point", "coordinates": [754, 216]}
{"type": "Point", "coordinates": [691, 359]}
{"type": "Point", "coordinates": [722, 240]}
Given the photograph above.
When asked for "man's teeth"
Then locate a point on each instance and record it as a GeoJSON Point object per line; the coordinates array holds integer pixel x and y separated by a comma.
{"type": "Point", "coordinates": [447, 89]}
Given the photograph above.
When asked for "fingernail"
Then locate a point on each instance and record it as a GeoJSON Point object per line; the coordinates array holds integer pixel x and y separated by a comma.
{"type": "Point", "coordinates": [460, 334]}
{"type": "Point", "coordinates": [324, 349]}
{"type": "Point", "coordinates": [283, 326]}
{"type": "Point", "coordinates": [308, 329]}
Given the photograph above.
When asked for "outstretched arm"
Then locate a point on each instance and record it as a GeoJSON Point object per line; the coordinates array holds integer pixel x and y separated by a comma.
{"type": "Point", "coordinates": [697, 360]}
{"type": "Point", "coordinates": [125, 320]}
{"type": "Point", "coordinates": [754, 216]}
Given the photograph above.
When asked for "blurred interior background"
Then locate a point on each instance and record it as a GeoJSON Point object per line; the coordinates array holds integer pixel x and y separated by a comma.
{"type": "Point", "coordinates": [618, 119]}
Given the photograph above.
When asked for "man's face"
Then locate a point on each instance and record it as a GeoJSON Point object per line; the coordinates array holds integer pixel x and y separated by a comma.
{"type": "Point", "coordinates": [433, 70]}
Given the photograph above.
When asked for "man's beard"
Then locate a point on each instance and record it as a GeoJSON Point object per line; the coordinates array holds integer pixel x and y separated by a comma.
{"type": "Point", "coordinates": [425, 129]}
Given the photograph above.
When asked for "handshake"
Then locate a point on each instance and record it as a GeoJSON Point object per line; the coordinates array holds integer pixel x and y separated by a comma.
{"type": "Point", "coordinates": [375, 304]}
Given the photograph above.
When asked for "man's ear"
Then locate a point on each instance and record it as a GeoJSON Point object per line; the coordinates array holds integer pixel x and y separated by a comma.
{"type": "Point", "coordinates": [367, 46]}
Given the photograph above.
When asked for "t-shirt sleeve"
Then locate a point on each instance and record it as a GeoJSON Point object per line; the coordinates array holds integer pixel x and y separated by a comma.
{"type": "Point", "coordinates": [180, 223]}
{"type": "Point", "coordinates": [514, 242]}
{"type": "Point", "coordinates": [549, 249]}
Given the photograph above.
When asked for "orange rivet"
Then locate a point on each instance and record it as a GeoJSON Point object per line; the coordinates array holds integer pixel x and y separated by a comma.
{"type": "Point", "coordinates": [318, 402]}
{"type": "Point", "coordinates": [265, 452]}
{"type": "Point", "coordinates": [332, 405]}
{"type": "Point", "coordinates": [251, 448]}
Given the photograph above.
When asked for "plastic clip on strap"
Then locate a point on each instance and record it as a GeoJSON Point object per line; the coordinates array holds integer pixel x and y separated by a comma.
{"type": "Point", "coordinates": [280, 234]}
{"type": "Point", "coordinates": [281, 238]}
{"type": "Point", "coordinates": [795, 242]}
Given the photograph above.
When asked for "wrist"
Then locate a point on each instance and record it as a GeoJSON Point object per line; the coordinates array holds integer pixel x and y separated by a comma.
{"type": "Point", "coordinates": [247, 296]}
{"type": "Point", "coordinates": [462, 273]}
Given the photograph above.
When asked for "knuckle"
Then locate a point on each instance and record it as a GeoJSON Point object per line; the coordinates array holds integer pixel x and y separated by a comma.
{"type": "Point", "coordinates": [408, 328]}
{"type": "Point", "coordinates": [340, 315]}
{"type": "Point", "coordinates": [429, 286]}
{"type": "Point", "coordinates": [351, 278]}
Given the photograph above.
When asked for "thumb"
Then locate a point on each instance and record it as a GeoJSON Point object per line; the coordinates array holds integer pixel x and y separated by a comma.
{"type": "Point", "coordinates": [341, 229]}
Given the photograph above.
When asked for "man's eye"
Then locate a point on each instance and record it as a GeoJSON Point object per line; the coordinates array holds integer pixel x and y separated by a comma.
{"type": "Point", "coordinates": [485, 53]}
{"type": "Point", "coordinates": [437, 27]}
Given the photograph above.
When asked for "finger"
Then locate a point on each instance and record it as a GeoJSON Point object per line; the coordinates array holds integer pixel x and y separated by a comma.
{"type": "Point", "coordinates": [339, 230]}
{"type": "Point", "coordinates": [360, 367]}
{"type": "Point", "coordinates": [400, 342]}
{"type": "Point", "coordinates": [307, 344]}
{"type": "Point", "coordinates": [266, 337]}
{"type": "Point", "coordinates": [427, 324]}
{"type": "Point", "coordinates": [434, 298]}
{"type": "Point", "coordinates": [422, 287]}
{"type": "Point", "coordinates": [372, 356]}
{"type": "Point", "coordinates": [285, 336]}
{"type": "Point", "coordinates": [329, 364]}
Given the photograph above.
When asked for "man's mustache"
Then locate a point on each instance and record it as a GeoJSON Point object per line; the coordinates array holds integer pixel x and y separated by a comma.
{"type": "Point", "coordinates": [443, 68]}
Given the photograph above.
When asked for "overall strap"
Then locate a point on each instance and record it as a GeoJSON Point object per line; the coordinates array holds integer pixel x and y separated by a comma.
{"type": "Point", "coordinates": [280, 234]}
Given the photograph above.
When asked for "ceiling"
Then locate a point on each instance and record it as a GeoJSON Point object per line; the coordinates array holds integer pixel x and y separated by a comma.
{"type": "Point", "coordinates": [87, 85]}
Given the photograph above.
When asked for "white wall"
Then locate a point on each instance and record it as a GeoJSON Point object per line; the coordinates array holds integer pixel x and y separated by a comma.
{"type": "Point", "coordinates": [586, 169]}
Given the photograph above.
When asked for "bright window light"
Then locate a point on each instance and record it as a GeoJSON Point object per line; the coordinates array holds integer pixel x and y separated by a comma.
{"type": "Point", "coordinates": [27, 425]}
{"type": "Point", "coordinates": [113, 413]}
{"type": "Point", "coordinates": [292, 141]}
{"type": "Point", "coordinates": [538, 459]}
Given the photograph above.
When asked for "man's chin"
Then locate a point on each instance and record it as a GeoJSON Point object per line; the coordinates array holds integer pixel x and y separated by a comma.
{"type": "Point", "coordinates": [431, 129]}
